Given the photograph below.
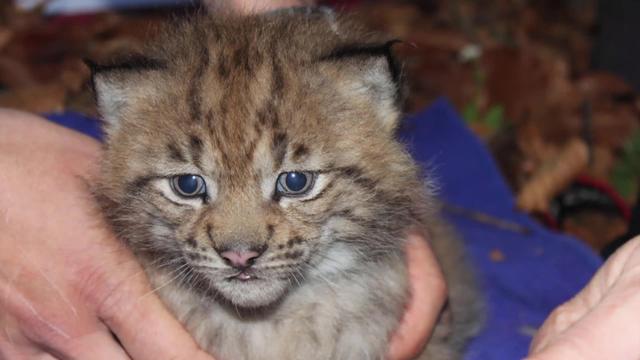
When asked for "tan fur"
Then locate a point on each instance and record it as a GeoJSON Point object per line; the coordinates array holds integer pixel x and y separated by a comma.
{"type": "Point", "coordinates": [238, 101]}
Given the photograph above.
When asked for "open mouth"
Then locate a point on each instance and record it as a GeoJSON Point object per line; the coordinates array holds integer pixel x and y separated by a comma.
{"type": "Point", "coordinates": [245, 275]}
{"type": "Point", "coordinates": [250, 289]}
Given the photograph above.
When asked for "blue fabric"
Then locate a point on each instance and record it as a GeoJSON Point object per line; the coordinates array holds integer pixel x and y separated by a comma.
{"type": "Point", "coordinates": [539, 271]}
{"type": "Point", "coordinates": [84, 124]}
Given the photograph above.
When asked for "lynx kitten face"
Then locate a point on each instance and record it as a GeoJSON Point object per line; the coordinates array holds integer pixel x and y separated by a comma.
{"type": "Point", "coordinates": [251, 164]}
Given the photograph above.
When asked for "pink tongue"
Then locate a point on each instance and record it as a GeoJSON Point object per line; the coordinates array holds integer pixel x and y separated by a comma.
{"type": "Point", "coordinates": [244, 276]}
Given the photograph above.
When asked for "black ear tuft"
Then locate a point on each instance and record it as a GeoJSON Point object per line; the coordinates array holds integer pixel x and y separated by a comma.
{"type": "Point", "coordinates": [371, 70]}
{"type": "Point", "coordinates": [128, 63]}
{"type": "Point", "coordinates": [120, 82]}
{"type": "Point", "coordinates": [92, 65]}
{"type": "Point", "coordinates": [375, 50]}
{"type": "Point", "coordinates": [369, 50]}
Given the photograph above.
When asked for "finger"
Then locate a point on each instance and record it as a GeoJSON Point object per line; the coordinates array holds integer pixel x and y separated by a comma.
{"type": "Point", "coordinates": [10, 349]}
{"type": "Point", "coordinates": [145, 327]}
{"type": "Point", "coordinates": [259, 6]}
{"type": "Point", "coordinates": [100, 345]}
{"type": "Point", "coordinates": [608, 331]}
{"type": "Point", "coordinates": [33, 332]}
{"type": "Point", "coordinates": [44, 356]}
{"type": "Point", "coordinates": [428, 295]}
{"type": "Point", "coordinates": [580, 305]}
{"type": "Point", "coordinates": [16, 347]}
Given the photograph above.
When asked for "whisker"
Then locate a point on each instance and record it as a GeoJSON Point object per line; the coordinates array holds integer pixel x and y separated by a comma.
{"type": "Point", "coordinates": [181, 269]}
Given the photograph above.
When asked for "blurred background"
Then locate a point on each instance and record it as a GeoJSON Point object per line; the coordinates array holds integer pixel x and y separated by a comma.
{"type": "Point", "coordinates": [548, 85]}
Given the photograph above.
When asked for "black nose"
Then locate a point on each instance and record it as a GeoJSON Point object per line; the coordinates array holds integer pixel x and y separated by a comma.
{"type": "Point", "coordinates": [239, 257]}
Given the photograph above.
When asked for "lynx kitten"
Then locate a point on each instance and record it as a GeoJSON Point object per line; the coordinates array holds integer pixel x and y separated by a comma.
{"type": "Point", "coordinates": [252, 167]}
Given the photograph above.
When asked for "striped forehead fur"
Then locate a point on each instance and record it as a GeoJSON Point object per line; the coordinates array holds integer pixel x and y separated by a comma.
{"type": "Point", "coordinates": [240, 101]}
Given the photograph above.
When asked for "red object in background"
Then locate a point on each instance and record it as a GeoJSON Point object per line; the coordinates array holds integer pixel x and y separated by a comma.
{"type": "Point", "coordinates": [608, 190]}
{"type": "Point", "coordinates": [585, 192]}
{"type": "Point", "coordinates": [553, 219]}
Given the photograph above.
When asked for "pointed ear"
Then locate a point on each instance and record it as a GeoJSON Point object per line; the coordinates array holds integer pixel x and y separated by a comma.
{"type": "Point", "coordinates": [373, 70]}
{"type": "Point", "coordinates": [119, 84]}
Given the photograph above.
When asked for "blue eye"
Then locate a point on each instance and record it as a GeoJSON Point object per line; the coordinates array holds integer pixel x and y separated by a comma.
{"type": "Point", "coordinates": [294, 183]}
{"type": "Point", "coordinates": [188, 185]}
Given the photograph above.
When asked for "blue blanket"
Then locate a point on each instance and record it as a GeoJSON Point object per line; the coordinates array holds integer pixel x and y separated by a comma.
{"type": "Point", "coordinates": [523, 274]}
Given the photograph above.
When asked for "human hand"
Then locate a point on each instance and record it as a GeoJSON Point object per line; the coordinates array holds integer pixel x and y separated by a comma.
{"type": "Point", "coordinates": [428, 296]}
{"type": "Point", "coordinates": [65, 282]}
{"type": "Point", "coordinates": [603, 320]}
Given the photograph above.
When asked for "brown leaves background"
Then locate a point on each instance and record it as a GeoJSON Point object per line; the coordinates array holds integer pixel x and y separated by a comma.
{"type": "Point", "coordinates": [518, 71]}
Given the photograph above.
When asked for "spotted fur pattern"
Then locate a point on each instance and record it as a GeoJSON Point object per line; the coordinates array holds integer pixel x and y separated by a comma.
{"type": "Point", "coordinates": [238, 101]}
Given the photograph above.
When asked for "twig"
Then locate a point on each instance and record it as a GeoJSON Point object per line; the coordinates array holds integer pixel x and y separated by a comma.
{"type": "Point", "coordinates": [486, 219]}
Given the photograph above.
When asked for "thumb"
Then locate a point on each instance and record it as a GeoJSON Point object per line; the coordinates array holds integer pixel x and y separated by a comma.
{"type": "Point", "coordinates": [133, 312]}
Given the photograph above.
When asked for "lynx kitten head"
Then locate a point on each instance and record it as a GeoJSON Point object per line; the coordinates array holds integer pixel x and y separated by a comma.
{"type": "Point", "coordinates": [248, 156]}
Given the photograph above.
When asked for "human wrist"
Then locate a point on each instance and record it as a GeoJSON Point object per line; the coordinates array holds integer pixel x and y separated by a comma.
{"type": "Point", "coordinates": [254, 6]}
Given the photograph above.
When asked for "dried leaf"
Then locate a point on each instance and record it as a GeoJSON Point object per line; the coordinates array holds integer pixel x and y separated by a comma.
{"type": "Point", "coordinates": [5, 36]}
{"type": "Point", "coordinates": [550, 179]}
